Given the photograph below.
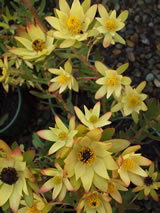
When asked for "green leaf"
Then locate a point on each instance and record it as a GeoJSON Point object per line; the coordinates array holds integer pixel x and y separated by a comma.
{"type": "Point", "coordinates": [107, 134]}
{"type": "Point", "coordinates": [29, 199]}
{"type": "Point", "coordinates": [42, 6]}
{"type": "Point", "coordinates": [36, 141]}
{"type": "Point", "coordinates": [3, 119]}
{"type": "Point", "coordinates": [153, 110]}
{"type": "Point", "coordinates": [28, 156]}
{"type": "Point", "coordinates": [39, 94]}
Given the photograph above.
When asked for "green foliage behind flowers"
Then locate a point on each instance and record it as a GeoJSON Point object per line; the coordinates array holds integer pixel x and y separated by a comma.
{"type": "Point", "coordinates": [84, 165]}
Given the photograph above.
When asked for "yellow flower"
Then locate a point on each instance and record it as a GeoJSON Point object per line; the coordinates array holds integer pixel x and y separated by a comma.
{"type": "Point", "coordinates": [72, 23]}
{"type": "Point", "coordinates": [113, 186]}
{"type": "Point", "coordinates": [112, 81]}
{"type": "Point", "coordinates": [64, 79]}
{"type": "Point", "coordinates": [150, 184]}
{"type": "Point", "coordinates": [94, 202]}
{"type": "Point", "coordinates": [59, 182]}
{"type": "Point", "coordinates": [13, 179]}
{"type": "Point", "coordinates": [36, 44]}
{"type": "Point", "coordinates": [39, 205]}
{"type": "Point", "coordinates": [91, 118]}
{"type": "Point", "coordinates": [129, 166]}
{"type": "Point", "coordinates": [110, 25]}
{"type": "Point", "coordinates": [89, 156]}
{"type": "Point", "coordinates": [62, 135]}
{"type": "Point", "coordinates": [133, 99]}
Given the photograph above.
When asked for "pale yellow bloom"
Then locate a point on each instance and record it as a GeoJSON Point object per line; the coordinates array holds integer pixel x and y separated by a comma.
{"type": "Point", "coordinates": [150, 184]}
{"type": "Point", "coordinates": [94, 202]}
{"type": "Point", "coordinates": [129, 166]}
{"type": "Point", "coordinates": [64, 79]}
{"type": "Point", "coordinates": [72, 23]}
{"type": "Point", "coordinates": [58, 182]}
{"type": "Point", "coordinates": [110, 24]}
{"type": "Point", "coordinates": [36, 44]}
{"type": "Point", "coordinates": [88, 157]}
{"type": "Point", "coordinates": [91, 118]}
{"type": "Point", "coordinates": [112, 81]}
{"type": "Point", "coordinates": [133, 99]}
{"type": "Point", "coordinates": [61, 135]}
{"type": "Point", "coordinates": [14, 177]}
{"type": "Point", "coordinates": [39, 205]}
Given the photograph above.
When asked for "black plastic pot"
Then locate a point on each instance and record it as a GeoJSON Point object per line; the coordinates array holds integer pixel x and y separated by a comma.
{"type": "Point", "coordinates": [19, 119]}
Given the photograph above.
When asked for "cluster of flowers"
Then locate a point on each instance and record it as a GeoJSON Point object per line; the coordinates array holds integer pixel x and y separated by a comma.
{"type": "Point", "coordinates": [87, 160]}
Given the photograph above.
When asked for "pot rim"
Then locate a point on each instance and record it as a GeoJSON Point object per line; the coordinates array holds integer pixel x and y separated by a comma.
{"type": "Point", "coordinates": [16, 114]}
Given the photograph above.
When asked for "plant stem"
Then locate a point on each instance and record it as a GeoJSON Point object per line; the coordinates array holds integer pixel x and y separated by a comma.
{"type": "Point", "coordinates": [60, 99]}
{"type": "Point", "coordinates": [35, 14]}
{"type": "Point", "coordinates": [139, 133]}
{"type": "Point", "coordinates": [86, 62]}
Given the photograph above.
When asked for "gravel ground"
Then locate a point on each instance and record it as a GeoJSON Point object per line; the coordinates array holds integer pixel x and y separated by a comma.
{"type": "Point", "coordinates": [142, 49]}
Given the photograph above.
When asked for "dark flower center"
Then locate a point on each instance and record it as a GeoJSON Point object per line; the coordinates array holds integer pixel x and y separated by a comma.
{"type": "Point", "coordinates": [148, 181]}
{"type": "Point", "coordinates": [86, 155]}
{"type": "Point", "coordinates": [9, 175]}
{"type": "Point", "coordinates": [1, 71]}
{"type": "Point", "coordinates": [38, 45]}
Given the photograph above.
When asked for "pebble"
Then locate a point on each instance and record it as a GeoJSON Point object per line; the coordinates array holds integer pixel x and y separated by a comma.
{"type": "Point", "coordinates": [130, 43]}
{"type": "Point", "coordinates": [131, 56]}
{"type": "Point", "coordinates": [149, 77]}
{"type": "Point", "coordinates": [157, 82]}
{"type": "Point", "coordinates": [148, 1]}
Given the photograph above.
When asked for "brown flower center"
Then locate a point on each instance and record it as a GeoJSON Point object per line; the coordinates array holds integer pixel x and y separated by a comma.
{"type": "Point", "coordinates": [148, 181]}
{"type": "Point", "coordinates": [38, 45]}
{"type": "Point", "coordinates": [9, 175]}
{"type": "Point", "coordinates": [94, 201]}
{"type": "Point", "coordinates": [86, 155]}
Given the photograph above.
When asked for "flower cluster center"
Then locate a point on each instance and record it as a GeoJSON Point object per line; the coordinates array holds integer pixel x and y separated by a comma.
{"type": "Point", "coordinates": [93, 201]}
{"type": "Point", "coordinates": [110, 24]}
{"type": "Point", "coordinates": [148, 181]}
{"type": "Point", "coordinates": [57, 180]}
{"type": "Point", "coordinates": [63, 79]}
{"type": "Point", "coordinates": [38, 45]}
{"type": "Point", "coordinates": [86, 155]}
{"type": "Point", "coordinates": [62, 136]}
{"type": "Point", "coordinates": [34, 209]}
{"type": "Point", "coordinates": [93, 119]}
{"type": "Point", "coordinates": [128, 164]}
{"type": "Point", "coordinates": [133, 101]}
{"type": "Point", "coordinates": [74, 25]}
{"type": "Point", "coordinates": [9, 175]}
{"type": "Point", "coordinates": [111, 188]}
{"type": "Point", "coordinates": [112, 82]}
